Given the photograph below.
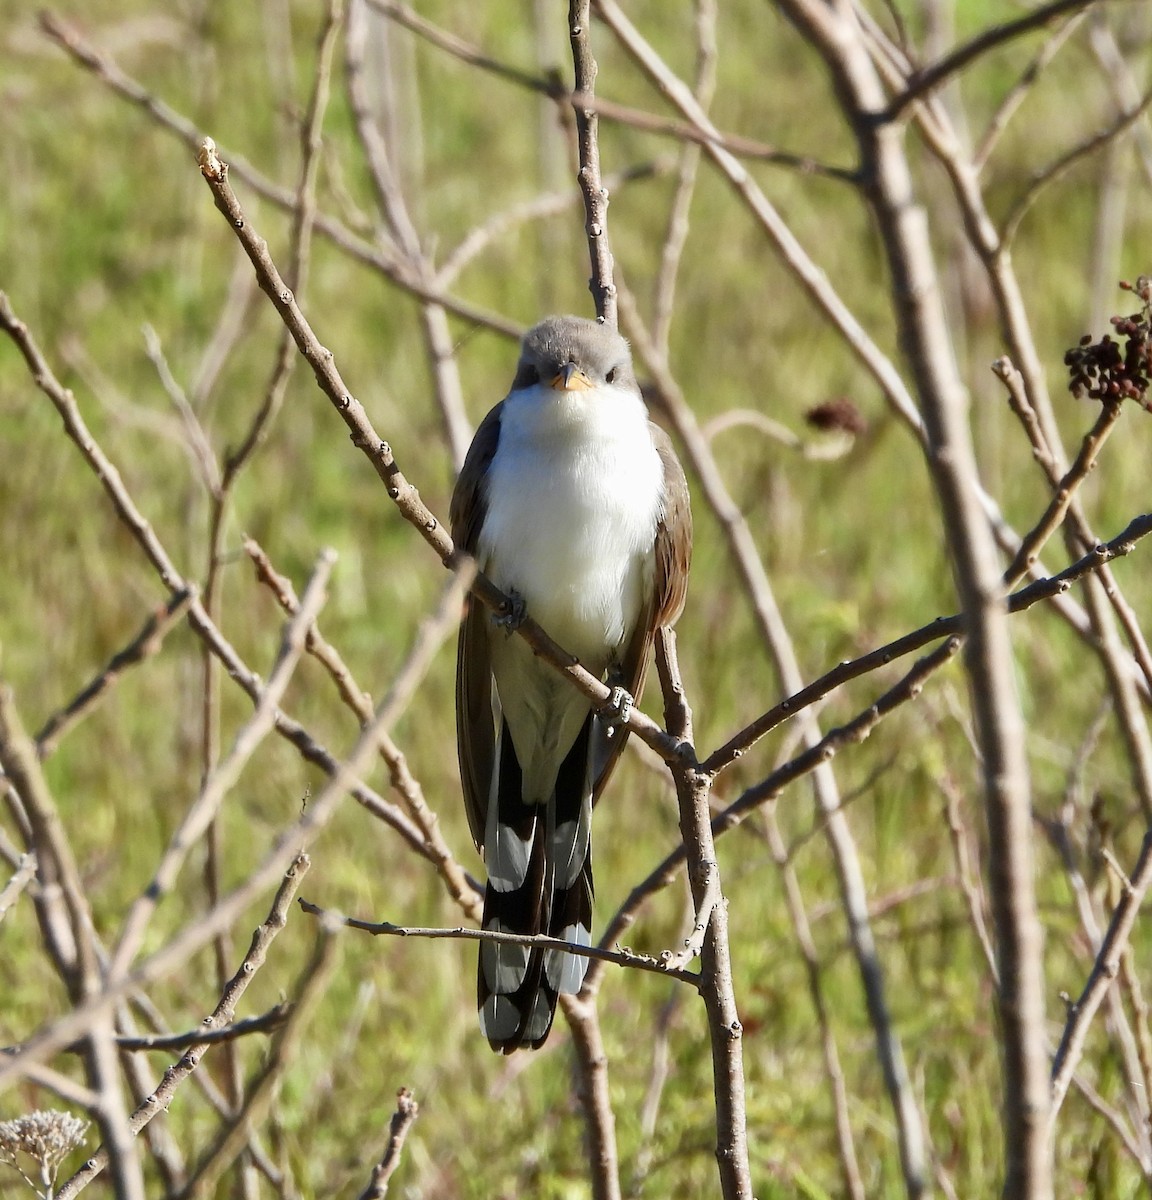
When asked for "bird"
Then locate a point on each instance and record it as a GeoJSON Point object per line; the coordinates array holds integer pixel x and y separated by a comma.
{"type": "Point", "coordinates": [573, 503]}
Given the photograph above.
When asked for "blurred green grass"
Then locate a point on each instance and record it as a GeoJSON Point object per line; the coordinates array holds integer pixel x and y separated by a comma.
{"type": "Point", "coordinates": [106, 226]}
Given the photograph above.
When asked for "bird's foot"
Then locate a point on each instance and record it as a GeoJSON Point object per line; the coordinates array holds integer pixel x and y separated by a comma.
{"type": "Point", "coordinates": [617, 710]}
{"type": "Point", "coordinates": [512, 613]}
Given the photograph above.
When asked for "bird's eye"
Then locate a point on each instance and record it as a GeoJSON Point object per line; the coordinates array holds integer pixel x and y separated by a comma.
{"type": "Point", "coordinates": [527, 376]}
{"type": "Point", "coordinates": [611, 376]}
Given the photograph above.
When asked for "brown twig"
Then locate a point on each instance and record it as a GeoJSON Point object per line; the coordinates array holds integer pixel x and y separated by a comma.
{"type": "Point", "coordinates": [693, 788]}
{"type": "Point", "coordinates": [235, 1133]}
{"type": "Point", "coordinates": [407, 1110]}
{"type": "Point", "coordinates": [1041, 589]}
{"type": "Point", "coordinates": [833, 1072]}
{"type": "Point", "coordinates": [600, 284]}
{"type": "Point", "coordinates": [622, 958]}
{"type": "Point", "coordinates": [23, 876]}
{"type": "Point", "coordinates": [371, 254]}
{"type": "Point", "coordinates": [931, 78]}
{"type": "Point", "coordinates": [969, 879]}
{"type": "Point", "coordinates": [1048, 456]}
{"type": "Point", "coordinates": [57, 869]}
{"type": "Point", "coordinates": [267, 1022]}
{"type": "Point", "coordinates": [1104, 970]}
{"type": "Point", "coordinates": [1015, 96]}
{"type": "Point", "coordinates": [286, 847]}
{"type": "Point", "coordinates": [676, 230]}
{"type": "Point", "coordinates": [683, 131]}
{"type": "Point", "coordinates": [438, 341]}
{"type": "Point", "coordinates": [925, 339]}
{"type": "Point", "coordinates": [1124, 120]}
{"type": "Point", "coordinates": [1057, 509]}
{"type": "Point", "coordinates": [463, 890]}
{"type": "Point", "coordinates": [497, 226]}
{"type": "Point", "coordinates": [775, 635]}
{"type": "Point", "coordinates": [203, 811]}
{"type": "Point", "coordinates": [145, 644]}
{"type": "Point", "coordinates": [221, 1017]}
{"type": "Point", "coordinates": [145, 536]}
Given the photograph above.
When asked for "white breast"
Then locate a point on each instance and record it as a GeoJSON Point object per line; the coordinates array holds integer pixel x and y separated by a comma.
{"type": "Point", "coordinates": [574, 493]}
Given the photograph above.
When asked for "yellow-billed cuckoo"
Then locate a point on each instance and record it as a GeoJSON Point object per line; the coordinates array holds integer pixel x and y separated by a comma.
{"type": "Point", "coordinates": [573, 503]}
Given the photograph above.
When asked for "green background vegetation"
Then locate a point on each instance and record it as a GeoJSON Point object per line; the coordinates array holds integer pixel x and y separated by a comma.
{"type": "Point", "coordinates": [105, 225]}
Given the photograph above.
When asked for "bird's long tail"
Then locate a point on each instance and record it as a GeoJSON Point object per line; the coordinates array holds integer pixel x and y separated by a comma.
{"type": "Point", "coordinates": [539, 864]}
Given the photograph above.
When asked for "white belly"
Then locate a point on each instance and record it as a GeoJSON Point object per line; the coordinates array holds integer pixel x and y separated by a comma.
{"type": "Point", "coordinates": [573, 496]}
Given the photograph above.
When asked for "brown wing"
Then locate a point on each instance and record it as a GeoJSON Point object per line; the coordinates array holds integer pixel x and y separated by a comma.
{"type": "Point", "coordinates": [669, 588]}
{"type": "Point", "coordinates": [475, 731]}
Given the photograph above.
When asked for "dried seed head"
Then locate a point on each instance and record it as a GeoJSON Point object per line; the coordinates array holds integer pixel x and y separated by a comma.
{"type": "Point", "coordinates": [46, 1136]}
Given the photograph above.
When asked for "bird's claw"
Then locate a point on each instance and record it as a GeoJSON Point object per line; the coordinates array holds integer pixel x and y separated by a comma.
{"type": "Point", "coordinates": [512, 613]}
{"type": "Point", "coordinates": [617, 710]}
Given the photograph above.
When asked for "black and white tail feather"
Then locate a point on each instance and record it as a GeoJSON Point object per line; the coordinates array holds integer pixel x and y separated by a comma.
{"type": "Point", "coordinates": [539, 860]}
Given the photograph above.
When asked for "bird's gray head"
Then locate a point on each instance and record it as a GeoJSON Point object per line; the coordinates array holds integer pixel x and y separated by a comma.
{"type": "Point", "coordinates": [573, 354]}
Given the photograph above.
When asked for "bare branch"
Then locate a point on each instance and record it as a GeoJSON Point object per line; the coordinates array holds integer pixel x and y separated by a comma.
{"type": "Point", "coordinates": [693, 788]}
{"type": "Point", "coordinates": [145, 644]}
{"type": "Point", "coordinates": [388, 264]}
{"type": "Point", "coordinates": [267, 1022]}
{"type": "Point", "coordinates": [592, 187]}
{"type": "Point", "coordinates": [931, 78]}
{"type": "Point", "coordinates": [235, 1133]}
{"type": "Point", "coordinates": [621, 958]}
{"type": "Point", "coordinates": [1124, 120]}
{"type": "Point", "coordinates": [1104, 971]}
{"type": "Point", "coordinates": [463, 890]}
{"type": "Point", "coordinates": [284, 851]}
{"type": "Point", "coordinates": [25, 873]}
{"type": "Point", "coordinates": [407, 1110]}
{"type": "Point", "coordinates": [220, 1017]}
{"type": "Point", "coordinates": [216, 786]}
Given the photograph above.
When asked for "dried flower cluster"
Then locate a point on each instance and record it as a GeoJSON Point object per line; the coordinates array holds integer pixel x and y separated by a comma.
{"type": "Point", "coordinates": [46, 1136]}
{"type": "Point", "coordinates": [1108, 370]}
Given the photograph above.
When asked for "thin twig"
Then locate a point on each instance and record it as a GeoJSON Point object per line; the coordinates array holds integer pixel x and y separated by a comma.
{"type": "Point", "coordinates": [1104, 970]}
{"type": "Point", "coordinates": [622, 958]}
{"type": "Point", "coordinates": [834, 1073]}
{"type": "Point", "coordinates": [145, 535]}
{"type": "Point", "coordinates": [683, 131]}
{"type": "Point", "coordinates": [1124, 120]}
{"type": "Point", "coordinates": [931, 78]}
{"type": "Point", "coordinates": [438, 340]}
{"type": "Point", "coordinates": [203, 811]}
{"type": "Point", "coordinates": [389, 264]}
{"type": "Point", "coordinates": [1042, 589]}
{"type": "Point", "coordinates": [1015, 96]}
{"type": "Point", "coordinates": [600, 283]}
{"type": "Point", "coordinates": [145, 644]}
{"type": "Point", "coordinates": [717, 987]}
{"type": "Point", "coordinates": [461, 887]}
{"type": "Point", "coordinates": [676, 231]}
{"type": "Point", "coordinates": [407, 1110]}
{"type": "Point", "coordinates": [1085, 462]}
{"type": "Point", "coordinates": [501, 224]}
{"type": "Point", "coordinates": [235, 1133]}
{"type": "Point", "coordinates": [25, 872]}
{"type": "Point", "coordinates": [267, 1022]}
{"type": "Point", "coordinates": [221, 1016]}
{"type": "Point", "coordinates": [772, 628]}
{"type": "Point", "coordinates": [57, 868]}
{"type": "Point", "coordinates": [283, 851]}
{"type": "Point", "coordinates": [968, 878]}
